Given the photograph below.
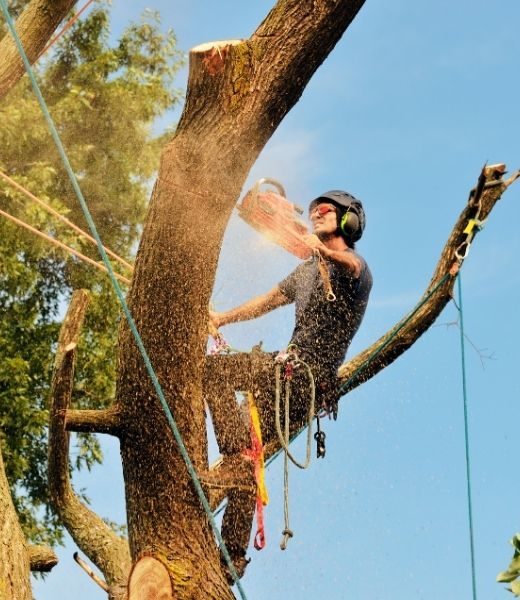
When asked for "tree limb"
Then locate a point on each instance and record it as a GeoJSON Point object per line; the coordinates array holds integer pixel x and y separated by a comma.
{"type": "Point", "coordinates": [93, 421]}
{"type": "Point", "coordinates": [35, 27]}
{"type": "Point", "coordinates": [41, 558]}
{"type": "Point", "coordinates": [366, 364]}
{"type": "Point", "coordinates": [253, 83]}
{"type": "Point", "coordinates": [104, 548]}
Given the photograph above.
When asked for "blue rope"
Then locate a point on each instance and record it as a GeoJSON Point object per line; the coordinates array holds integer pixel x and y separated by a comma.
{"type": "Point", "coordinates": [466, 439]}
{"type": "Point", "coordinates": [131, 323]}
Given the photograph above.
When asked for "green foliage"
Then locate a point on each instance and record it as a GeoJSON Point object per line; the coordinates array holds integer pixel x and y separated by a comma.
{"type": "Point", "coordinates": [512, 574]}
{"type": "Point", "coordinates": [104, 99]}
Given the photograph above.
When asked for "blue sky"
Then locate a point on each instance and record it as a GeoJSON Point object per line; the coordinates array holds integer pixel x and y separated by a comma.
{"type": "Point", "coordinates": [411, 103]}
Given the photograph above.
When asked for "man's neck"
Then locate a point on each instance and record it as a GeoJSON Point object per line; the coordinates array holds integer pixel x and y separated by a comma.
{"type": "Point", "coordinates": [334, 242]}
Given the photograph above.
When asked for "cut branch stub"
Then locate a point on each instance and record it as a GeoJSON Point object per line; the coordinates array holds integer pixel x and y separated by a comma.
{"type": "Point", "coordinates": [42, 558]}
{"type": "Point", "coordinates": [149, 580]}
{"type": "Point", "coordinates": [94, 421]}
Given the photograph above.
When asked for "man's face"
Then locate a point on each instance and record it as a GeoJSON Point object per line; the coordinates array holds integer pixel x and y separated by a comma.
{"type": "Point", "coordinates": [324, 220]}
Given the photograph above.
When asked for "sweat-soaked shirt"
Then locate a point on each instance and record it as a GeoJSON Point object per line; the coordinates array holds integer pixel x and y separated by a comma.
{"type": "Point", "coordinates": [323, 329]}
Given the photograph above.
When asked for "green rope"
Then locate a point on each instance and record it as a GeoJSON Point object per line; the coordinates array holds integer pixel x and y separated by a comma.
{"type": "Point", "coordinates": [466, 439]}
{"type": "Point", "coordinates": [131, 323]}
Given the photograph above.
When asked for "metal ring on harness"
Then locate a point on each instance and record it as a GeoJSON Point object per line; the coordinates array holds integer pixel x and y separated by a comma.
{"type": "Point", "coordinates": [458, 254]}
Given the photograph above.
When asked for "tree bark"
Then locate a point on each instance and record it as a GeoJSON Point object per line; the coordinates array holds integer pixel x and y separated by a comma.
{"type": "Point", "coordinates": [238, 93]}
{"type": "Point", "coordinates": [35, 27]}
{"type": "Point", "coordinates": [93, 421]}
{"type": "Point", "coordinates": [14, 559]}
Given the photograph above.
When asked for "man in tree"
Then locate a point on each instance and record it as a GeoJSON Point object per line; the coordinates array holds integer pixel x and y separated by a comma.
{"type": "Point", "coordinates": [330, 292]}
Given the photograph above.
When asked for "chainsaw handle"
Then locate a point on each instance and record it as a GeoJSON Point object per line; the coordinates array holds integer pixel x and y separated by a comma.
{"type": "Point", "coordinates": [269, 181]}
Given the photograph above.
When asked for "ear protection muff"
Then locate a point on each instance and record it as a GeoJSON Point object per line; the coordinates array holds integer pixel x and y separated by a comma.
{"type": "Point", "coordinates": [349, 223]}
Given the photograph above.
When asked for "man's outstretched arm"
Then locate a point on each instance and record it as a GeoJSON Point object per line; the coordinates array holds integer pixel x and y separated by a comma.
{"type": "Point", "coordinates": [256, 307]}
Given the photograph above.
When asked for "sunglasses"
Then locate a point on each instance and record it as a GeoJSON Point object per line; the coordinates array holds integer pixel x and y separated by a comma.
{"type": "Point", "coordinates": [322, 209]}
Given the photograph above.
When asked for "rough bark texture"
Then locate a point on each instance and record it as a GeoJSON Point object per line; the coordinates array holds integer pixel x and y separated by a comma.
{"type": "Point", "coordinates": [91, 534]}
{"type": "Point", "coordinates": [14, 559]}
{"type": "Point", "coordinates": [35, 27]}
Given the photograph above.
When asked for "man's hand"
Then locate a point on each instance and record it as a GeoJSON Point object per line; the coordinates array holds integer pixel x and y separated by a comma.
{"type": "Point", "coordinates": [215, 320]}
{"type": "Point", "coordinates": [314, 242]}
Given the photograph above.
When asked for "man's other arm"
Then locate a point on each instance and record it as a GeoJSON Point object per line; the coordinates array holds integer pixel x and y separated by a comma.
{"type": "Point", "coordinates": [256, 307]}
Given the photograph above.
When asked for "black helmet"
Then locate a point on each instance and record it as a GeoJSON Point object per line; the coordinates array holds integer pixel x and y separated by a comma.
{"type": "Point", "coordinates": [351, 216]}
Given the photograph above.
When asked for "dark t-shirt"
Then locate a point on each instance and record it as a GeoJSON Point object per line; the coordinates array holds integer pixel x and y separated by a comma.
{"type": "Point", "coordinates": [323, 329]}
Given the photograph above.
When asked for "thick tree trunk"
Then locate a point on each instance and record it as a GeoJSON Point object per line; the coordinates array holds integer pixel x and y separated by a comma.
{"type": "Point", "coordinates": [14, 559]}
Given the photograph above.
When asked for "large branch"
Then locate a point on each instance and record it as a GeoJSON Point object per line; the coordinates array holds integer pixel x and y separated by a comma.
{"type": "Point", "coordinates": [252, 84]}
{"type": "Point", "coordinates": [390, 346]}
{"type": "Point", "coordinates": [108, 551]}
{"type": "Point", "coordinates": [35, 27]}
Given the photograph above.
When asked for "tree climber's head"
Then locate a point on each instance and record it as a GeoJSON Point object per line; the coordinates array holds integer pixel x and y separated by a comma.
{"type": "Point", "coordinates": [349, 213]}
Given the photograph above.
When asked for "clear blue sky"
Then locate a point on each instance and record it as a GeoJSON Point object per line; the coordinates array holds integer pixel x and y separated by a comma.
{"type": "Point", "coordinates": [408, 107]}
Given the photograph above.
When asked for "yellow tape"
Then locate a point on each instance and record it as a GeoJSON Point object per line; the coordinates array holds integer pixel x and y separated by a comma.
{"type": "Point", "coordinates": [255, 422]}
{"type": "Point", "coordinates": [472, 223]}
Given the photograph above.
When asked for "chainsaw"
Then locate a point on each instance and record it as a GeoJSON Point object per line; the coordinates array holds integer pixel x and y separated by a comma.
{"type": "Point", "coordinates": [275, 217]}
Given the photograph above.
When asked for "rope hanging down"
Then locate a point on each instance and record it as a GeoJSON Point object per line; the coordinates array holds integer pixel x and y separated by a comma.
{"type": "Point", "coordinates": [131, 323]}
{"type": "Point", "coordinates": [290, 361]}
{"type": "Point", "coordinates": [466, 441]}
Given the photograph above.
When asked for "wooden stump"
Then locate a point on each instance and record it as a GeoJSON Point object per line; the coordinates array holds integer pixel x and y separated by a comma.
{"type": "Point", "coordinates": [149, 580]}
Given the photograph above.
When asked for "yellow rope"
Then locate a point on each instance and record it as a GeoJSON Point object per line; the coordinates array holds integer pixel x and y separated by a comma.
{"type": "Point", "coordinates": [63, 219]}
{"type": "Point", "coordinates": [60, 244]}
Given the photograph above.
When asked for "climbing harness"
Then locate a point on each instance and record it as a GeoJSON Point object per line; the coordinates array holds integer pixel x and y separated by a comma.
{"type": "Point", "coordinates": [126, 310]}
{"type": "Point", "coordinates": [275, 217]}
{"type": "Point", "coordinates": [290, 361]}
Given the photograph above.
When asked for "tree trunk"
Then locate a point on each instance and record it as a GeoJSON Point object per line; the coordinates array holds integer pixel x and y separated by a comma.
{"type": "Point", "coordinates": [35, 27]}
{"type": "Point", "coordinates": [14, 560]}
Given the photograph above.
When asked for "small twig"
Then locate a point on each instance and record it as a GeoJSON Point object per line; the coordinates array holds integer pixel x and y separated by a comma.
{"type": "Point", "coordinates": [479, 351]}
{"type": "Point", "coordinates": [90, 572]}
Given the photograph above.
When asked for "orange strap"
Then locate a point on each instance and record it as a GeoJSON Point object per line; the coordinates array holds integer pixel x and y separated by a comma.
{"type": "Point", "coordinates": [256, 453]}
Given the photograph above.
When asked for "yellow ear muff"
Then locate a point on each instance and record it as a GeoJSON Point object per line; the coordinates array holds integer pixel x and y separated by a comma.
{"type": "Point", "coordinates": [349, 223]}
{"type": "Point", "coordinates": [344, 221]}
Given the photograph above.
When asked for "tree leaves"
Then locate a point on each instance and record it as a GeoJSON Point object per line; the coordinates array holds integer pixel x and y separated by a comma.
{"type": "Point", "coordinates": [512, 574]}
